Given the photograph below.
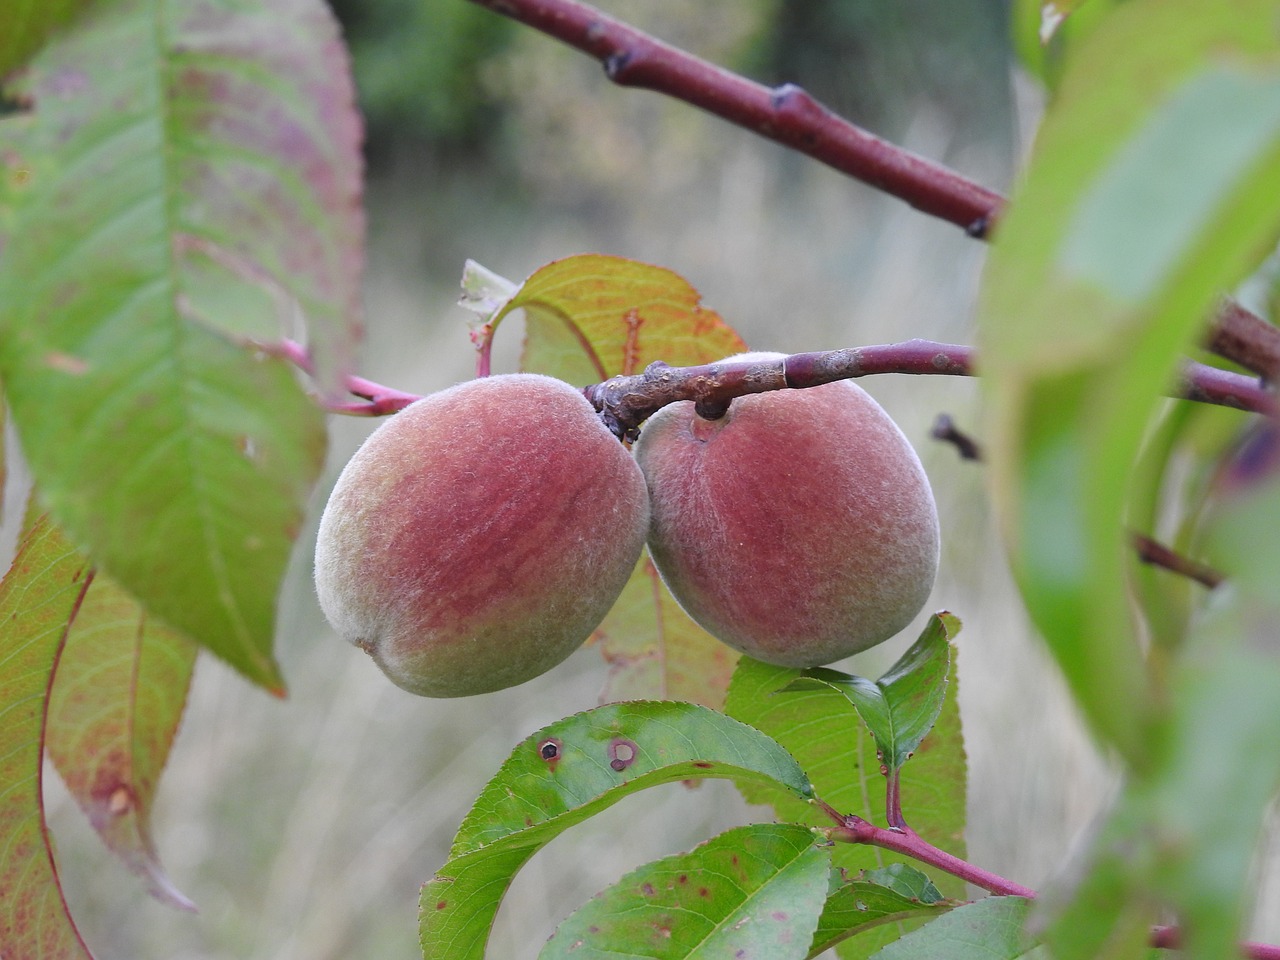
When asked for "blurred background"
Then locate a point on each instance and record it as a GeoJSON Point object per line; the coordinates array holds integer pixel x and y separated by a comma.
{"type": "Point", "coordinates": [304, 828]}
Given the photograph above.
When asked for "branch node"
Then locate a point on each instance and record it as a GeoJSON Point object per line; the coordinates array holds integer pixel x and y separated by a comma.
{"type": "Point", "coordinates": [711, 409]}
{"type": "Point", "coordinates": [978, 228]}
{"type": "Point", "coordinates": [615, 65]}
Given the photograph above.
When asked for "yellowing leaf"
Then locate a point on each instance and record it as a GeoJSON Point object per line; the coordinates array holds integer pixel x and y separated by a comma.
{"type": "Point", "coordinates": [38, 599]}
{"type": "Point", "coordinates": [118, 695]}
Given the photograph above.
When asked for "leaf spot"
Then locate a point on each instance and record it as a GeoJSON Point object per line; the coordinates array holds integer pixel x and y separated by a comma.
{"type": "Point", "coordinates": [647, 889]}
{"type": "Point", "coordinates": [66, 363]}
{"type": "Point", "coordinates": [442, 904]}
{"type": "Point", "coordinates": [622, 753]}
{"type": "Point", "coordinates": [549, 750]}
{"type": "Point", "coordinates": [703, 764]}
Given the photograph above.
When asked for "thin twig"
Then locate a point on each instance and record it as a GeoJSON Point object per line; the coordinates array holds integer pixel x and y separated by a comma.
{"type": "Point", "coordinates": [1157, 554]}
{"type": "Point", "coordinates": [904, 840]}
{"type": "Point", "coordinates": [786, 114]}
{"type": "Point", "coordinates": [626, 402]}
{"type": "Point", "coordinates": [376, 400]}
{"type": "Point", "coordinates": [851, 829]}
{"type": "Point", "coordinates": [945, 429]}
{"type": "Point", "coordinates": [1170, 938]}
{"type": "Point", "coordinates": [1245, 338]}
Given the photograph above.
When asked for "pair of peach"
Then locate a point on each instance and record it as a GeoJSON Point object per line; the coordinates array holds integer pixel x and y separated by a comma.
{"type": "Point", "coordinates": [479, 536]}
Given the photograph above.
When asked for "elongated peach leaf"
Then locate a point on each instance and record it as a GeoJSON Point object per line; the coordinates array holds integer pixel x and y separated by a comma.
{"type": "Point", "coordinates": [38, 599]}
{"type": "Point", "coordinates": [118, 696]}
{"type": "Point", "coordinates": [570, 771]}
{"type": "Point", "coordinates": [184, 186]}
{"type": "Point", "coordinates": [754, 891]}
{"type": "Point", "coordinates": [1120, 240]}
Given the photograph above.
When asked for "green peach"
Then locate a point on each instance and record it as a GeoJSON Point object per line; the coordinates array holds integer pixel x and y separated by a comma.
{"type": "Point", "coordinates": [480, 535]}
{"type": "Point", "coordinates": [799, 528]}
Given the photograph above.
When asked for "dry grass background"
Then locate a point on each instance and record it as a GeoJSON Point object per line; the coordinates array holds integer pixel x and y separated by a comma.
{"type": "Point", "coordinates": [304, 828]}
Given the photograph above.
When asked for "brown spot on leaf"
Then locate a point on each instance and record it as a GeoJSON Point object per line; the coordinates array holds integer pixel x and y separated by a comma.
{"type": "Point", "coordinates": [441, 904]}
{"type": "Point", "coordinates": [647, 889]}
{"type": "Point", "coordinates": [622, 753]}
{"type": "Point", "coordinates": [549, 750]}
{"type": "Point", "coordinates": [703, 764]}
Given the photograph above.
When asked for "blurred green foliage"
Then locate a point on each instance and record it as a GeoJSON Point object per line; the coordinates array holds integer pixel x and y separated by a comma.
{"type": "Point", "coordinates": [436, 74]}
{"type": "Point", "coordinates": [418, 69]}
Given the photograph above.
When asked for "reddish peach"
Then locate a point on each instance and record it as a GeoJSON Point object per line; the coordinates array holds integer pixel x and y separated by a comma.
{"type": "Point", "coordinates": [478, 536]}
{"type": "Point", "coordinates": [799, 529]}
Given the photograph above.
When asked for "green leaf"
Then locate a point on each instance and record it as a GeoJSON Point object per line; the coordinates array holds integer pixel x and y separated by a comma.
{"type": "Point", "coordinates": [854, 906]}
{"type": "Point", "coordinates": [185, 187]}
{"type": "Point", "coordinates": [588, 318]}
{"type": "Point", "coordinates": [568, 772]}
{"type": "Point", "coordinates": [821, 728]}
{"type": "Point", "coordinates": [900, 708]}
{"type": "Point", "coordinates": [118, 696]}
{"type": "Point", "coordinates": [905, 880]}
{"type": "Point", "coordinates": [1124, 233]}
{"type": "Point", "coordinates": [38, 600]}
{"type": "Point", "coordinates": [987, 929]}
{"type": "Point", "coordinates": [754, 891]}
{"type": "Point", "coordinates": [1183, 838]}
{"type": "Point", "coordinates": [27, 24]}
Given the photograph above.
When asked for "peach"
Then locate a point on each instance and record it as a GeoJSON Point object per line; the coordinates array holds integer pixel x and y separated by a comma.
{"type": "Point", "coordinates": [480, 535]}
{"type": "Point", "coordinates": [799, 528]}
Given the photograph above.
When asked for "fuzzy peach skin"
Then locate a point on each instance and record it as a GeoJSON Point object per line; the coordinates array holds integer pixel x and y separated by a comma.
{"type": "Point", "coordinates": [478, 536]}
{"type": "Point", "coordinates": [799, 529]}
